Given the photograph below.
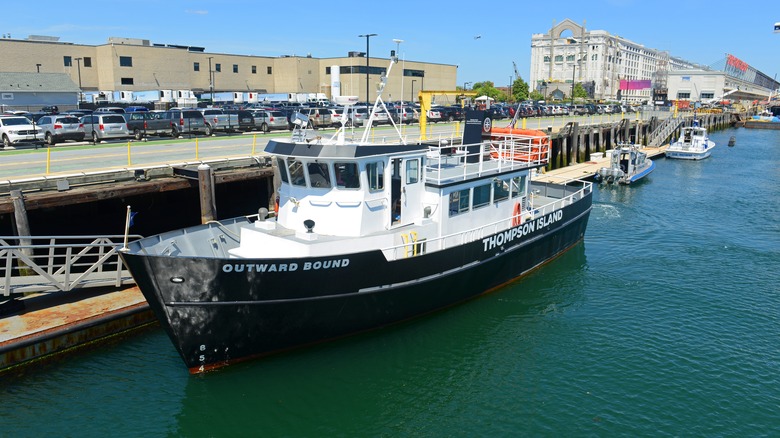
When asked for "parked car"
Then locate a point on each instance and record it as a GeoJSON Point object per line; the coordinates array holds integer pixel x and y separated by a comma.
{"type": "Point", "coordinates": [268, 120]}
{"type": "Point", "coordinates": [110, 109]}
{"type": "Point", "coordinates": [433, 115]}
{"type": "Point", "coordinates": [58, 128]}
{"type": "Point", "coordinates": [318, 116]}
{"type": "Point", "coordinates": [186, 121]}
{"type": "Point", "coordinates": [18, 130]}
{"type": "Point", "coordinates": [135, 109]}
{"type": "Point", "coordinates": [451, 113]}
{"type": "Point", "coordinates": [244, 118]}
{"type": "Point", "coordinates": [50, 109]}
{"type": "Point", "coordinates": [105, 126]}
{"type": "Point", "coordinates": [402, 115]}
{"type": "Point", "coordinates": [144, 123]}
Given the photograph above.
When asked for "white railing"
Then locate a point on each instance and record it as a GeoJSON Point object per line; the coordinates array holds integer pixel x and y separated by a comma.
{"type": "Point", "coordinates": [541, 191]}
{"type": "Point", "coordinates": [503, 152]}
{"type": "Point", "coordinates": [60, 263]}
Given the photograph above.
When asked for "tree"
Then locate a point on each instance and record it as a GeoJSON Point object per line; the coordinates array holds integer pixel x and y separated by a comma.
{"type": "Point", "coordinates": [579, 91]}
{"type": "Point", "coordinates": [487, 89]}
{"type": "Point", "coordinates": [535, 96]}
{"type": "Point", "coordinates": [519, 89]}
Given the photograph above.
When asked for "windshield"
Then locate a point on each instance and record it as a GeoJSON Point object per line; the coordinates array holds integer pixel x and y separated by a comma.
{"type": "Point", "coordinates": [15, 121]}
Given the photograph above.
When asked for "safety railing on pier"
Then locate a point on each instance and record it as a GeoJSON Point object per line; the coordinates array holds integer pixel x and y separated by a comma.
{"type": "Point", "coordinates": [60, 263]}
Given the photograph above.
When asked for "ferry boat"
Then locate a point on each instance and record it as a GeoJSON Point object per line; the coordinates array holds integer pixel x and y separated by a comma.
{"type": "Point", "coordinates": [366, 235]}
{"type": "Point", "coordinates": [693, 144]}
{"type": "Point", "coordinates": [627, 164]}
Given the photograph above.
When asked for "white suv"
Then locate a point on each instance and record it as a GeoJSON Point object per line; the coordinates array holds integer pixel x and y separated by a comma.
{"type": "Point", "coordinates": [19, 129]}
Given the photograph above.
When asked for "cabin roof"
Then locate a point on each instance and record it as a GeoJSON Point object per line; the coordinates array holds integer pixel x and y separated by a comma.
{"type": "Point", "coordinates": [353, 151]}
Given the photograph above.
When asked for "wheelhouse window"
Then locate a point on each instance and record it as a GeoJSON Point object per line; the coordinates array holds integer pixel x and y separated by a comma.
{"type": "Point", "coordinates": [282, 170]}
{"type": "Point", "coordinates": [412, 171]}
{"type": "Point", "coordinates": [319, 176]}
{"type": "Point", "coordinates": [459, 202]}
{"type": "Point", "coordinates": [296, 173]}
{"type": "Point", "coordinates": [481, 195]}
{"type": "Point", "coordinates": [376, 175]}
{"type": "Point", "coordinates": [347, 175]}
{"type": "Point", "coordinates": [518, 186]}
{"type": "Point", "coordinates": [125, 61]}
{"type": "Point", "coordinates": [500, 190]}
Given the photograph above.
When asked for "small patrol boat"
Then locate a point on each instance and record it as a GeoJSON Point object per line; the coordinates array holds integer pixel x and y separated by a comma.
{"type": "Point", "coordinates": [627, 164]}
{"type": "Point", "coordinates": [693, 144]}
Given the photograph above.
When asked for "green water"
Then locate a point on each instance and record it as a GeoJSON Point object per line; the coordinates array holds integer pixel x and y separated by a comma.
{"type": "Point", "coordinates": [665, 321]}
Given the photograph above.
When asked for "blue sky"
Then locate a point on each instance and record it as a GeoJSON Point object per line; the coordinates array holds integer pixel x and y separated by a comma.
{"type": "Point", "coordinates": [697, 30]}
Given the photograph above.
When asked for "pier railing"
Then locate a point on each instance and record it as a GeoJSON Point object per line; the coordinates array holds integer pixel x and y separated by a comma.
{"type": "Point", "coordinates": [60, 263]}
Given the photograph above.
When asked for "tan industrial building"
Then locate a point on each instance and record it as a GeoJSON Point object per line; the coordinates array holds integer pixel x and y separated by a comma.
{"type": "Point", "coordinates": [134, 65]}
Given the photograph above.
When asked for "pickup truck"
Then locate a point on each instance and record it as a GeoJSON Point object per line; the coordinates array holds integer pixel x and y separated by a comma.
{"type": "Point", "coordinates": [218, 120]}
{"type": "Point", "coordinates": [144, 124]}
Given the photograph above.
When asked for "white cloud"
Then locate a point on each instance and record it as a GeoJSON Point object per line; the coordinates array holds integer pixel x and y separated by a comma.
{"type": "Point", "coordinates": [196, 12]}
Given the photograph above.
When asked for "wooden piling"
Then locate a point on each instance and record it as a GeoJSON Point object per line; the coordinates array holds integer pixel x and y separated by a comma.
{"type": "Point", "coordinates": [208, 208]}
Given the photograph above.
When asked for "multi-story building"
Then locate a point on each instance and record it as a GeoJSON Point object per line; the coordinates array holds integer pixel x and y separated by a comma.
{"type": "Point", "coordinates": [135, 65]}
{"type": "Point", "coordinates": [609, 67]}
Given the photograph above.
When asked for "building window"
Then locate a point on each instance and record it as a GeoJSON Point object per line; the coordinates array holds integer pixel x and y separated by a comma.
{"type": "Point", "coordinates": [218, 67]}
{"type": "Point", "coordinates": [196, 66]}
{"type": "Point", "coordinates": [125, 61]}
{"type": "Point", "coordinates": [87, 61]}
{"type": "Point", "coordinates": [570, 57]}
{"type": "Point", "coordinates": [707, 95]}
{"type": "Point", "coordinates": [68, 61]}
{"type": "Point", "coordinates": [546, 58]}
{"type": "Point", "coordinates": [558, 58]}
{"type": "Point", "coordinates": [269, 70]}
{"type": "Point", "coordinates": [235, 68]}
{"type": "Point", "coordinates": [683, 94]}
{"type": "Point", "coordinates": [254, 69]}
{"type": "Point", "coordinates": [127, 81]}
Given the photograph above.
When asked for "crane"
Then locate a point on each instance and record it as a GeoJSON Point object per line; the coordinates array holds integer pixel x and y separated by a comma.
{"type": "Point", "coordinates": [517, 75]}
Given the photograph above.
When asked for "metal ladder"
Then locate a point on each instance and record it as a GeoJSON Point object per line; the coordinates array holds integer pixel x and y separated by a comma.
{"type": "Point", "coordinates": [663, 131]}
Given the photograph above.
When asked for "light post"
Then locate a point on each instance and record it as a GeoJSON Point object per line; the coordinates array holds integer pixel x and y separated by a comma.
{"type": "Point", "coordinates": [398, 52]}
{"type": "Point", "coordinates": [368, 58]}
{"type": "Point", "coordinates": [38, 66]}
{"type": "Point", "coordinates": [573, 71]}
{"type": "Point", "coordinates": [211, 82]}
{"type": "Point", "coordinates": [465, 88]}
{"type": "Point", "coordinates": [78, 66]}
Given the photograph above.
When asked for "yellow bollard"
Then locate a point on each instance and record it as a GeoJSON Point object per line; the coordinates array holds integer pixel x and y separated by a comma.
{"type": "Point", "coordinates": [196, 148]}
{"type": "Point", "coordinates": [48, 160]}
{"type": "Point", "coordinates": [129, 162]}
{"type": "Point", "coordinates": [254, 142]}
{"type": "Point", "coordinates": [523, 125]}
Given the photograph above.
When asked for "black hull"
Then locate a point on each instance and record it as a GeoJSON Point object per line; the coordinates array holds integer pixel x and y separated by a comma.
{"type": "Point", "coordinates": [216, 315]}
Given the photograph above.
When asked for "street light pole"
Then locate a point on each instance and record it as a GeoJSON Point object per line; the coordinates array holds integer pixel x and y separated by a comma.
{"type": "Point", "coordinates": [38, 66]}
{"type": "Point", "coordinates": [573, 71]}
{"type": "Point", "coordinates": [398, 52]}
{"type": "Point", "coordinates": [368, 58]}
{"type": "Point", "coordinates": [78, 66]}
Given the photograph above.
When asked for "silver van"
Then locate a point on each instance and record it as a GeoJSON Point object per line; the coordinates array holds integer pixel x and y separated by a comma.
{"type": "Point", "coordinates": [105, 126]}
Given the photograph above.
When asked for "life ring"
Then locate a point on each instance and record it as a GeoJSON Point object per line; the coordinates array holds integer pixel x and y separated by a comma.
{"type": "Point", "coordinates": [517, 217]}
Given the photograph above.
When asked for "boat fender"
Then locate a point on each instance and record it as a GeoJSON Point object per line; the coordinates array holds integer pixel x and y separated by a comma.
{"type": "Point", "coordinates": [276, 206]}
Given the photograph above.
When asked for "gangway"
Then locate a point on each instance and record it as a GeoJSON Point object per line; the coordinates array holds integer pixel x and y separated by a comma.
{"type": "Point", "coordinates": [60, 263]}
